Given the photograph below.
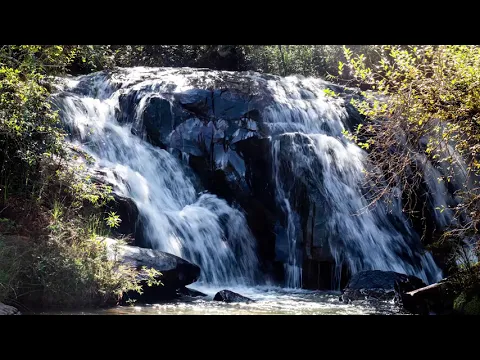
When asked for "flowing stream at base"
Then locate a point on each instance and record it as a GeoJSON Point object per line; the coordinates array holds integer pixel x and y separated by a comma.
{"type": "Point", "coordinates": [268, 301]}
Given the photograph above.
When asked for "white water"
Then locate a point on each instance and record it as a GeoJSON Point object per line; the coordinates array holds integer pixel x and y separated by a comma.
{"type": "Point", "coordinates": [310, 125]}
{"type": "Point", "coordinates": [205, 229]}
{"type": "Point", "coordinates": [198, 227]}
{"type": "Point", "coordinates": [293, 266]}
{"type": "Point", "coordinates": [268, 301]}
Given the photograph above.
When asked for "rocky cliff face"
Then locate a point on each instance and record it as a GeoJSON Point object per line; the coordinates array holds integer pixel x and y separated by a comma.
{"type": "Point", "coordinates": [222, 126]}
{"type": "Point", "coordinates": [217, 126]}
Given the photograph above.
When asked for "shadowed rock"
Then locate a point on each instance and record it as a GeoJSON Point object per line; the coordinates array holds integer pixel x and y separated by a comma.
{"type": "Point", "coordinates": [437, 298]}
{"type": "Point", "coordinates": [190, 292]}
{"type": "Point", "coordinates": [230, 297]}
{"type": "Point", "coordinates": [176, 272]}
{"type": "Point", "coordinates": [380, 285]}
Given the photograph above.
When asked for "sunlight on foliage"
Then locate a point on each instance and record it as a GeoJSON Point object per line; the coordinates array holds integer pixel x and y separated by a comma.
{"type": "Point", "coordinates": [422, 103]}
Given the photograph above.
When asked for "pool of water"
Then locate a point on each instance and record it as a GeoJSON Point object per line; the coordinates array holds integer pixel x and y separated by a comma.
{"type": "Point", "coordinates": [268, 301]}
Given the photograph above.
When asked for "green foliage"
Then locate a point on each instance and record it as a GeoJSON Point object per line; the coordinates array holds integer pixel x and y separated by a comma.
{"type": "Point", "coordinates": [152, 276]}
{"type": "Point", "coordinates": [62, 272]}
{"type": "Point", "coordinates": [88, 58]}
{"type": "Point", "coordinates": [28, 128]}
{"type": "Point", "coordinates": [11, 267]}
{"type": "Point", "coordinates": [330, 93]}
{"type": "Point", "coordinates": [307, 60]}
{"type": "Point", "coordinates": [113, 220]}
{"type": "Point", "coordinates": [7, 226]}
{"type": "Point", "coordinates": [78, 273]}
{"type": "Point", "coordinates": [67, 268]}
{"type": "Point", "coordinates": [466, 306]}
{"type": "Point", "coordinates": [59, 262]}
{"type": "Point", "coordinates": [425, 101]}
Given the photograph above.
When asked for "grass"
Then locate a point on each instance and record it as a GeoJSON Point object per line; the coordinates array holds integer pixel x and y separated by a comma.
{"type": "Point", "coordinates": [59, 263]}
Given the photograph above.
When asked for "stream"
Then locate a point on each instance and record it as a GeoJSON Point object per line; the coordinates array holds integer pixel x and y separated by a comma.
{"type": "Point", "coordinates": [268, 301]}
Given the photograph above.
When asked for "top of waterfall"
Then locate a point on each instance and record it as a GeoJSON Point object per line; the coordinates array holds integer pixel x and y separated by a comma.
{"type": "Point", "coordinates": [186, 77]}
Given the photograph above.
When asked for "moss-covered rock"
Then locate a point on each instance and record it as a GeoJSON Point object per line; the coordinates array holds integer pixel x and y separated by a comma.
{"type": "Point", "coordinates": [467, 305]}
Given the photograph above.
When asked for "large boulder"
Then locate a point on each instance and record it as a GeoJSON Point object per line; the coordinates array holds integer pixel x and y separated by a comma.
{"type": "Point", "coordinates": [230, 297]}
{"type": "Point", "coordinates": [380, 285]}
{"type": "Point", "coordinates": [8, 310]}
{"type": "Point", "coordinates": [176, 272]}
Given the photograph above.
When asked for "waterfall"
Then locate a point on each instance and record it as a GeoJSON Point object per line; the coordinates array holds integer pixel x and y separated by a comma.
{"type": "Point", "coordinates": [306, 127]}
{"type": "Point", "coordinates": [313, 165]}
{"type": "Point", "coordinates": [177, 219]}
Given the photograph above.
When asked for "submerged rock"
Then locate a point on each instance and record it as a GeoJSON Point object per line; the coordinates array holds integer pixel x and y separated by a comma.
{"type": "Point", "coordinates": [8, 310]}
{"type": "Point", "coordinates": [380, 285]}
{"type": "Point", "coordinates": [176, 272]}
{"type": "Point", "coordinates": [190, 292]}
{"type": "Point", "coordinates": [230, 296]}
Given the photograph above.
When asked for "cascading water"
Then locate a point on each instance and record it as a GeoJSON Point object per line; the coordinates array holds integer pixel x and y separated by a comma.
{"type": "Point", "coordinates": [306, 127]}
{"type": "Point", "coordinates": [293, 266]}
{"type": "Point", "coordinates": [198, 227]}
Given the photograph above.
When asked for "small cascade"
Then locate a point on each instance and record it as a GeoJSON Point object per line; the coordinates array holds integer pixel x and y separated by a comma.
{"type": "Point", "coordinates": [309, 148]}
{"type": "Point", "coordinates": [177, 219]}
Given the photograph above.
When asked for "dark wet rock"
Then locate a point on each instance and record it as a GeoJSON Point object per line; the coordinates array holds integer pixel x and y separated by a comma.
{"type": "Point", "coordinates": [127, 104]}
{"type": "Point", "coordinates": [436, 298]}
{"type": "Point", "coordinates": [380, 285]}
{"type": "Point", "coordinates": [245, 181]}
{"type": "Point", "coordinates": [319, 234]}
{"type": "Point", "coordinates": [230, 105]}
{"type": "Point", "coordinates": [176, 272]}
{"type": "Point", "coordinates": [191, 137]}
{"type": "Point", "coordinates": [311, 212]}
{"type": "Point", "coordinates": [224, 102]}
{"type": "Point", "coordinates": [8, 310]}
{"type": "Point", "coordinates": [86, 84]}
{"type": "Point", "coordinates": [230, 297]}
{"type": "Point", "coordinates": [126, 209]}
{"type": "Point", "coordinates": [131, 223]}
{"type": "Point", "coordinates": [190, 292]}
{"type": "Point", "coordinates": [157, 119]}
{"type": "Point", "coordinates": [196, 101]}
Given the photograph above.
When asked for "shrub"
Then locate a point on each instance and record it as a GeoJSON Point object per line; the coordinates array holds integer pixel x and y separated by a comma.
{"type": "Point", "coordinates": [52, 211]}
{"type": "Point", "coordinates": [424, 107]}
